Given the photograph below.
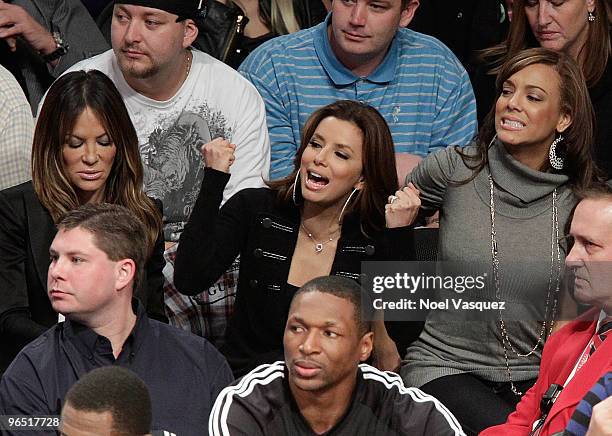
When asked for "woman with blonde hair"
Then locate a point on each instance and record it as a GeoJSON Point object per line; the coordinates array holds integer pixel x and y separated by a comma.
{"type": "Point", "coordinates": [85, 150]}
{"type": "Point", "coordinates": [234, 28]}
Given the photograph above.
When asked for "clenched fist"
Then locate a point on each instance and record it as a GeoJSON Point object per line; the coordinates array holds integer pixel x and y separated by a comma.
{"type": "Point", "coordinates": [218, 154]}
{"type": "Point", "coordinates": [403, 207]}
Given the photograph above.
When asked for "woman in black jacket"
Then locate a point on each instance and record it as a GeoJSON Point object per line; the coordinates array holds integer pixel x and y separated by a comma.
{"type": "Point", "coordinates": [333, 212]}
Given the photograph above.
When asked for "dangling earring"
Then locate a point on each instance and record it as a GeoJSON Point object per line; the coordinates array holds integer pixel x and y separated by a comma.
{"type": "Point", "coordinates": [346, 204]}
{"type": "Point", "coordinates": [590, 16]}
{"type": "Point", "coordinates": [297, 176]}
{"type": "Point", "coordinates": [555, 161]}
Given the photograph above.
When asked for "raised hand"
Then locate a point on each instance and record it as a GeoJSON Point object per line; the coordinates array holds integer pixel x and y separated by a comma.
{"type": "Point", "coordinates": [218, 154]}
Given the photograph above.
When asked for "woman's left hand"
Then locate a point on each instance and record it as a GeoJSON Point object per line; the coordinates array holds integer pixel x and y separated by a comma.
{"type": "Point", "coordinates": [403, 207]}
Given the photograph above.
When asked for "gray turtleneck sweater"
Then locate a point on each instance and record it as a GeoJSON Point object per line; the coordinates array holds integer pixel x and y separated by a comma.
{"type": "Point", "coordinates": [523, 220]}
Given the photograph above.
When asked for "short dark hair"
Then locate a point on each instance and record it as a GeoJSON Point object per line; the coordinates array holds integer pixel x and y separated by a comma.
{"type": "Point", "coordinates": [116, 390]}
{"type": "Point", "coordinates": [116, 231]}
{"type": "Point", "coordinates": [346, 289]}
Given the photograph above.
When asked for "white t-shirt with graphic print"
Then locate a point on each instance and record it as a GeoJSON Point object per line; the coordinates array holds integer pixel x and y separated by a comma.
{"type": "Point", "coordinates": [214, 101]}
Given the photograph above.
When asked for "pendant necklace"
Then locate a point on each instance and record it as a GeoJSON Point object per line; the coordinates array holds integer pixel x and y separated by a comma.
{"type": "Point", "coordinates": [318, 245]}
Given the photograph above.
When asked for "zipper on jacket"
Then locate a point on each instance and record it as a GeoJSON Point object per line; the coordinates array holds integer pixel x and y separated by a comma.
{"type": "Point", "coordinates": [236, 30]}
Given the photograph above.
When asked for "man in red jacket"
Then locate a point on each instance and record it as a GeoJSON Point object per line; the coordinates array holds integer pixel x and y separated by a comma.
{"type": "Point", "coordinates": [576, 356]}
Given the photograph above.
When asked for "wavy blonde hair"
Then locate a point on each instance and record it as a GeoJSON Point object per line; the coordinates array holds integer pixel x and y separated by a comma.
{"type": "Point", "coordinates": [282, 19]}
{"type": "Point", "coordinates": [278, 16]}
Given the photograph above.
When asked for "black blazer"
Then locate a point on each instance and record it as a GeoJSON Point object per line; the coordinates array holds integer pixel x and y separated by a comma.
{"type": "Point", "coordinates": [264, 232]}
{"type": "Point", "coordinates": [26, 233]}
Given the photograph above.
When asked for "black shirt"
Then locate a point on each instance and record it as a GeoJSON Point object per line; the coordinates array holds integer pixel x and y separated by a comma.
{"type": "Point", "coordinates": [261, 403]}
{"type": "Point", "coordinates": [184, 373]}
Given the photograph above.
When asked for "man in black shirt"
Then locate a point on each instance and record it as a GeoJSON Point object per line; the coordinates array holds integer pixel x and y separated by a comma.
{"type": "Point", "coordinates": [97, 259]}
{"type": "Point", "coordinates": [322, 388]}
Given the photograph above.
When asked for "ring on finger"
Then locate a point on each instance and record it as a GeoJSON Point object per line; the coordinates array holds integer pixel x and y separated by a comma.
{"type": "Point", "coordinates": [392, 198]}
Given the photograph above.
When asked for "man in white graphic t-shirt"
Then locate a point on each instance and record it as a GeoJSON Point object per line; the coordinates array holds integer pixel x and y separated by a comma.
{"type": "Point", "coordinates": [179, 99]}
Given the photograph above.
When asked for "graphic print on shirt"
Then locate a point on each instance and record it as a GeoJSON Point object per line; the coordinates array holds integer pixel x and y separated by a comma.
{"type": "Point", "coordinates": [173, 169]}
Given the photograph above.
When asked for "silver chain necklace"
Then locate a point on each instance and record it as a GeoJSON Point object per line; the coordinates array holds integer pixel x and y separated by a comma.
{"type": "Point", "coordinates": [318, 245]}
{"type": "Point", "coordinates": [506, 342]}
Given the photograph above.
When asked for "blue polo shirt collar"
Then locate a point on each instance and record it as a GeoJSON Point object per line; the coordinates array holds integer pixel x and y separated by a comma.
{"type": "Point", "coordinates": [342, 76]}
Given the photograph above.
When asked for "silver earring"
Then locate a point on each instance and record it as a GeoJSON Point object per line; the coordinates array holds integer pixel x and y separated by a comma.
{"type": "Point", "coordinates": [346, 204]}
{"type": "Point", "coordinates": [591, 16]}
{"type": "Point", "coordinates": [297, 176]}
{"type": "Point", "coordinates": [555, 161]}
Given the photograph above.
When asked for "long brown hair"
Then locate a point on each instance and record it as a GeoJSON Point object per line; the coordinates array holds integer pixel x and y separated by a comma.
{"type": "Point", "coordinates": [593, 57]}
{"type": "Point", "coordinates": [576, 148]}
{"type": "Point", "coordinates": [378, 160]}
{"type": "Point", "coordinates": [66, 100]}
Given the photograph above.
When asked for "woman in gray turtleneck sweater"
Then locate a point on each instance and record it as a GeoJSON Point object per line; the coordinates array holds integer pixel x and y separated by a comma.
{"type": "Point", "coordinates": [507, 180]}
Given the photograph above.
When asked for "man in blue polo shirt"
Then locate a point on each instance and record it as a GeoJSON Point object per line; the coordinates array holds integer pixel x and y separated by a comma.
{"type": "Point", "coordinates": [362, 52]}
{"type": "Point", "coordinates": [96, 260]}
